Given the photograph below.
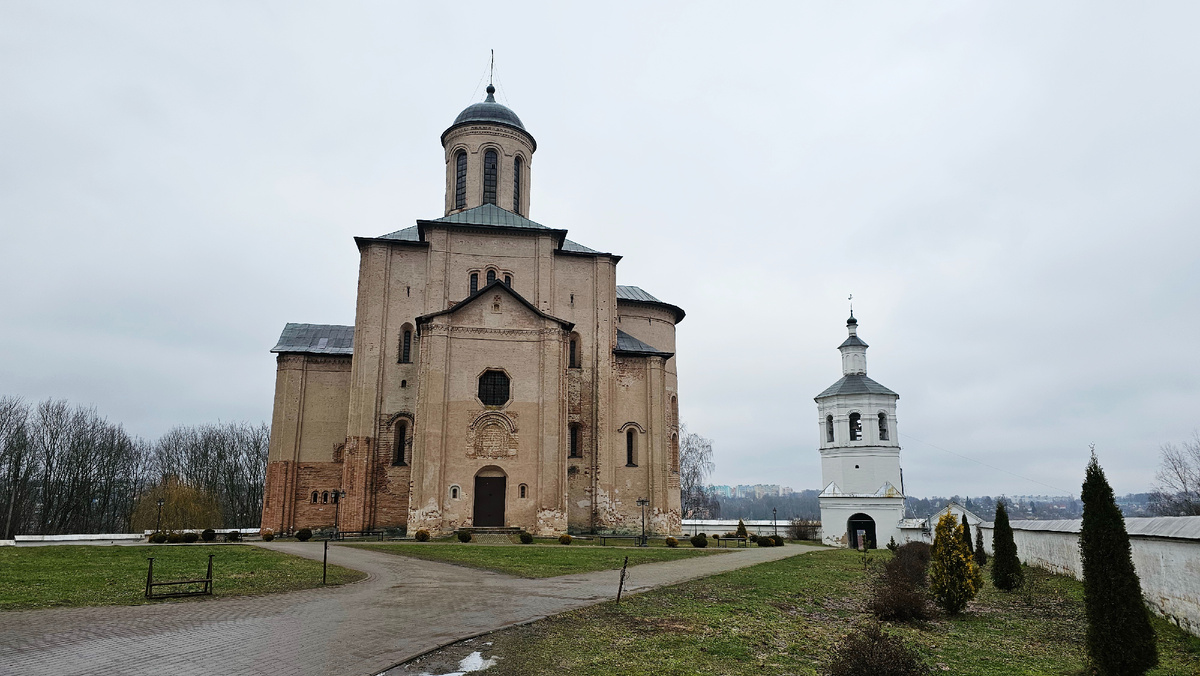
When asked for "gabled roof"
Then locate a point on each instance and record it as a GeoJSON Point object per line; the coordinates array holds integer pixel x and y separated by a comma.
{"type": "Point", "coordinates": [635, 294]}
{"type": "Point", "coordinates": [627, 344]}
{"type": "Point", "coordinates": [490, 214]}
{"type": "Point", "coordinates": [855, 384]}
{"type": "Point", "coordinates": [316, 339]}
{"type": "Point", "coordinates": [495, 285]}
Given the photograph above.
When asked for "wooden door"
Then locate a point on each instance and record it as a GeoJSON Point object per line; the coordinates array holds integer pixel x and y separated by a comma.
{"type": "Point", "coordinates": [489, 501]}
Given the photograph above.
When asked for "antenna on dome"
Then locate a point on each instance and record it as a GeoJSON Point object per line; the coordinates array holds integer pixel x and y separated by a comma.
{"type": "Point", "coordinates": [492, 68]}
{"type": "Point", "coordinates": [851, 299]}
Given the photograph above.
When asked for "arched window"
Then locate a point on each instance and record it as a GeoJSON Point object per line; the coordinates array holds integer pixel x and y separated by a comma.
{"type": "Point", "coordinates": [573, 441]}
{"type": "Point", "coordinates": [454, 492]}
{"type": "Point", "coordinates": [674, 452]}
{"type": "Point", "coordinates": [572, 353]}
{"type": "Point", "coordinates": [517, 185]}
{"type": "Point", "coordinates": [855, 427]}
{"type": "Point", "coordinates": [522, 490]}
{"type": "Point", "coordinates": [490, 167]}
{"type": "Point", "coordinates": [399, 442]}
{"type": "Point", "coordinates": [460, 180]}
{"type": "Point", "coordinates": [493, 388]}
{"type": "Point", "coordinates": [406, 347]}
{"type": "Point", "coordinates": [325, 497]}
{"type": "Point", "coordinates": [883, 426]}
{"type": "Point", "coordinates": [314, 497]}
{"type": "Point", "coordinates": [491, 276]}
{"type": "Point", "coordinates": [474, 282]}
{"type": "Point", "coordinates": [829, 428]}
{"type": "Point", "coordinates": [508, 280]}
{"type": "Point", "coordinates": [630, 447]}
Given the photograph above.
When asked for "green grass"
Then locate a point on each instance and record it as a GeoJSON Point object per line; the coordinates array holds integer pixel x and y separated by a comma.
{"type": "Point", "coordinates": [785, 617]}
{"type": "Point", "coordinates": [68, 575]}
{"type": "Point", "coordinates": [536, 560]}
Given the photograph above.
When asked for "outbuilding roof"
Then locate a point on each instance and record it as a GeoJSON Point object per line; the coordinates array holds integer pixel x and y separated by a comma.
{"type": "Point", "coordinates": [855, 384]}
{"type": "Point", "coordinates": [627, 344]}
{"type": "Point", "coordinates": [316, 339]}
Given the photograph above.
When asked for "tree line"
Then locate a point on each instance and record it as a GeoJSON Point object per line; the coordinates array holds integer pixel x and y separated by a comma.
{"type": "Point", "coordinates": [67, 469]}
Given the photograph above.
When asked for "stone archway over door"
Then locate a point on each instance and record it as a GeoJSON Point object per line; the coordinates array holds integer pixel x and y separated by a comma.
{"type": "Point", "coordinates": [864, 523]}
{"type": "Point", "coordinates": [489, 500]}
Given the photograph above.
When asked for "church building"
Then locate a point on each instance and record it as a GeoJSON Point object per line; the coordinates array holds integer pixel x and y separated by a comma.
{"type": "Point", "coordinates": [863, 498]}
{"type": "Point", "coordinates": [496, 374]}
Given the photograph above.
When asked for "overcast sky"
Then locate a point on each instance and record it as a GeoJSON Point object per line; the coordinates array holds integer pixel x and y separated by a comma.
{"type": "Point", "coordinates": [1010, 191]}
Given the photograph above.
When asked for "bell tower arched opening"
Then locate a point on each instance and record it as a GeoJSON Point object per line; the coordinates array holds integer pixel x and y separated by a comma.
{"type": "Point", "coordinates": [861, 530]}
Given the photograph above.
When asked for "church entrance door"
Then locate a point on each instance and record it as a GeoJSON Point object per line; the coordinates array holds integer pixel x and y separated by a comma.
{"type": "Point", "coordinates": [489, 501]}
{"type": "Point", "coordinates": [864, 526]}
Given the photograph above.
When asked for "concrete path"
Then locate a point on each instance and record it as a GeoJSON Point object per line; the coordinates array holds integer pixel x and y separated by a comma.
{"type": "Point", "coordinates": [404, 607]}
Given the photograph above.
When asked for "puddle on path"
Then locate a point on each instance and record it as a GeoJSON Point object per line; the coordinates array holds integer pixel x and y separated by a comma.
{"type": "Point", "coordinates": [467, 657]}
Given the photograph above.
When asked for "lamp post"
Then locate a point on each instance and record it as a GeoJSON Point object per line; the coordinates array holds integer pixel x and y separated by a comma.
{"type": "Point", "coordinates": [337, 508]}
{"type": "Point", "coordinates": [642, 502]}
{"type": "Point", "coordinates": [158, 521]}
{"type": "Point", "coordinates": [774, 525]}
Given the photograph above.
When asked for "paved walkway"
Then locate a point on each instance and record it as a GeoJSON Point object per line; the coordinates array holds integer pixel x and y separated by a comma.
{"type": "Point", "coordinates": [404, 607]}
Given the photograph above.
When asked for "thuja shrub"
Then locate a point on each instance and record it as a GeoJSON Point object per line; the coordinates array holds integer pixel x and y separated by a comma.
{"type": "Point", "coordinates": [190, 537]}
{"type": "Point", "coordinates": [564, 539]}
{"type": "Point", "coordinates": [741, 529]}
{"type": "Point", "coordinates": [1120, 639]}
{"type": "Point", "coordinates": [699, 541]}
{"type": "Point", "coordinates": [421, 535]}
{"type": "Point", "coordinates": [526, 538]}
{"type": "Point", "coordinates": [208, 535]}
{"type": "Point", "coordinates": [871, 651]}
{"type": "Point", "coordinates": [1006, 567]}
{"type": "Point", "coordinates": [891, 545]}
{"type": "Point", "coordinates": [464, 536]}
{"type": "Point", "coordinates": [671, 542]}
{"type": "Point", "coordinates": [304, 534]}
{"type": "Point", "coordinates": [954, 578]}
{"type": "Point", "coordinates": [981, 557]}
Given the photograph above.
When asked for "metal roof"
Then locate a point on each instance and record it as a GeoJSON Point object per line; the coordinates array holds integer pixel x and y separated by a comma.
{"type": "Point", "coordinates": [316, 339]}
{"type": "Point", "coordinates": [635, 293]}
{"type": "Point", "coordinates": [576, 247]}
{"type": "Point", "coordinates": [853, 341]}
{"type": "Point", "coordinates": [1180, 527]}
{"type": "Point", "coordinates": [627, 344]}
{"type": "Point", "coordinates": [490, 214]}
{"type": "Point", "coordinates": [413, 234]}
{"type": "Point", "coordinates": [855, 384]}
{"type": "Point", "coordinates": [489, 111]}
{"type": "Point", "coordinates": [410, 234]}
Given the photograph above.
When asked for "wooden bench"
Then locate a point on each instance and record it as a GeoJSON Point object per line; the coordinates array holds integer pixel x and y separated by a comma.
{"type": "Point", "coordinates": [636, 539]}
{"type": "Point", "coordinates": [741, 541]}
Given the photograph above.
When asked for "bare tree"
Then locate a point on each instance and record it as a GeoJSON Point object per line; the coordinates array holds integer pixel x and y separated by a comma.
{"type": "Point", "coordinates": [695, 466]}
{"type": "Point", "coordinates": [1177, 492]}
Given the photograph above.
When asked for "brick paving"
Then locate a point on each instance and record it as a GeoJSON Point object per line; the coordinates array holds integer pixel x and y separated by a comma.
{"type": "Point", "coordinates": [403, 608]}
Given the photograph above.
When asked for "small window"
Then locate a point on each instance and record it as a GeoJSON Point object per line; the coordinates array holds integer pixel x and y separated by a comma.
{"type": "Point", "coordinates": [855, 427]}
{"type": "Point", "coordinates": [630, 447]}
{"type": "Point", "coordinates": [406, 347]}
{"type": "Point", "coordinates": [521, 490]}
{"type": "Point", "coordinates": [399, 443]}
{"type": "Point", "coordinates": [829, 428]}
{"type": "Point", "coordinates": [474, 282]}
{"type": "Point", "coordinates": [314, 497]}
{"type": "Point", "coordinates": [460, 180]}
{"type": "Point", "coordinates": [403, 383]}
{"type": "Point", "coordinates": [573, 441]}
{"type": "Point", "coordinates": [517, 185]}
{"type": "Point", "coordinates": [508, 281]}
{"type": "Point", "coordinates": [325, 497]}
{"type": "Point", "coordinates": [572, 359]}
{"type": "Point", "coordinates": [454, 492]}
{"type": "Point", "coordinates": [490, 167]}
{"type": "Point", "coordinates": [493, 388]}
{"type": "Point", "coordinates": [883, 434]}
{"type": "Point", "coordinates": [491, 276]}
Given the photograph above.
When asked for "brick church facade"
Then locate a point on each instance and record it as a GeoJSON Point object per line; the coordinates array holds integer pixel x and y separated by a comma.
{"type": "Point", "coordinates": [496, 374]}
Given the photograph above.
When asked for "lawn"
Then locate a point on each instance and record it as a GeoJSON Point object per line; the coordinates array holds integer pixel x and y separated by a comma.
{"type": "Point", "coordinates": [785, 617]}
{"type": "Point", "coordinates": [537, 560]}
{"type": "Point", "coordinates": [68, 575]}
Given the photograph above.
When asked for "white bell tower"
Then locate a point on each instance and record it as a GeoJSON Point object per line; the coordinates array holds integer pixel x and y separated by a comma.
{"type": "Point", "coordinates": [860, 457]}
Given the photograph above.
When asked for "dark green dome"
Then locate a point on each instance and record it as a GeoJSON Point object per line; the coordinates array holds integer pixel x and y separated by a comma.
{"type": "Point", "coordinates": [489, 111]}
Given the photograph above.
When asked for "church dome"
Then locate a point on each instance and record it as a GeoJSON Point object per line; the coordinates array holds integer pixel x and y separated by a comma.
{"type": "Point", "coordinates": [488, 111]}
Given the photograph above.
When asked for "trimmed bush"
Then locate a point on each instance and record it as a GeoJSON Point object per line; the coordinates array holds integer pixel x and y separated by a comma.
{"type": "Point", "coordinates": [702, 535]}
{"type": "Point", "coordinates": [699, 541]}
{"type": "Point", "coordinates": [564, 539]}
{"type": "Point", "coordinates": [870, 651]}
{"type": "Point", "coordinates": [190, 537]}
{"type": "Point", "coordinates": [741, 529]}
{"type": "Point", "coordinates": [304, 534]}
{"type": "Point", "coordinates": [526, 538]}
{"type": "Point", "coordinates": [464, 536]}
{"type": "Point", "coordinates": [233, 536]}
{"type": "Point", "coordinates": [779, 540]}
{"type": "Point", "coordinates": [1006, 567]}
{"type": "Point", "coordinates": [1120, 640]}
{"type": "Point", "coordinates": [421, 535]}
{"type": "Point", "coordinates": [208, 535]}
{"type": "Point", "coordinates": [158, 538]}
{"type": "Point", "coordinates": [174, 538]}
{"type": "Point", "coordinates": [754, 537]}
{"type": "Point", "coordinates": [954, 578]}
{"type": "Point", "coordinates": [766, 541]}
{"type": "Point", "coordinates": [671, 542]}
{"type": "Point", "coordinates": [266, 534]}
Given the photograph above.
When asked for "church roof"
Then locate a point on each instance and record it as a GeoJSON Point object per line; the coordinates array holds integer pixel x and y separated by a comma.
{"type": "Point", "coordinates": [853, 341]}
{"type": "Point", "coordinates": [490, 214]}
{"type": "Point", "coordinates": [413, 234]}
{"type": "Point", "coordinates": [316, 339]}
{"type": "Point", "coordinates": [855, 384]}
{"type": "Point", "coordinates": [636, 294]}
{"type": "Point", "coordinates": [496, 284]}
{"type": "Point", "coordinates": [627, 344]}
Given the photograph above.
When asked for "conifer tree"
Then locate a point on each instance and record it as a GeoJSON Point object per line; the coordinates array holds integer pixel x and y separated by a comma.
{"type": "Point", "coordinates": [1006, 567]}
{"type": "Point", "coordinates": [1120, 640]}
{"type": "Point", "coordinates": [981, 557]}
{"type": "Point", "coordinates": [966, 534]}
{"type": "Point", "coordinates": [741, 529]}
{"type": "Point", "coordinates": [954, 578]}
